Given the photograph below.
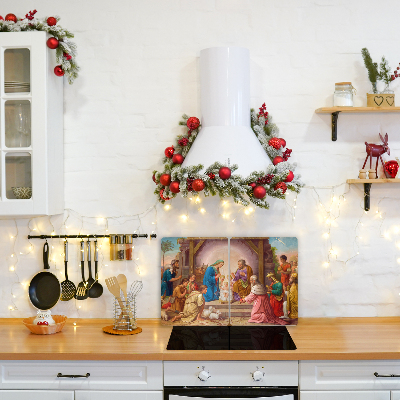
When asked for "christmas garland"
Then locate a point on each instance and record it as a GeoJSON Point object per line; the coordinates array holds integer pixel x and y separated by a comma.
{"type": "Point", "coordinates": [65, 48]}
{"type": "Point", "coordinates": [218, 178]}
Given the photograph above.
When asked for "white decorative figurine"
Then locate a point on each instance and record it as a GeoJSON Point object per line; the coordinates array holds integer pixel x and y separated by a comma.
{"type": "Point", "coordinates": [44, 318]}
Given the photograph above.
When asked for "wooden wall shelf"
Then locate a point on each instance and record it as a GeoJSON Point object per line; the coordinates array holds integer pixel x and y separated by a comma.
{"type": "Point", "coordinates": [336, 110]}
{"type": "Point", "coordinates": [367, 187]}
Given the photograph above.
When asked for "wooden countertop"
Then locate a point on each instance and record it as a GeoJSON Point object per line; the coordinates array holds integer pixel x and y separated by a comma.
{"type": "Point", "coordinates": [315, 338]}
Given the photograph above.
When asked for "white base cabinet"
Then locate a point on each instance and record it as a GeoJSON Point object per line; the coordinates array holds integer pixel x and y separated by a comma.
{"type": "Point", "coordinates": [36, 395]}
{"type": "Point", "coordinates": [117, 395]}
{"type": "Point", "coordinates": [345, 395]}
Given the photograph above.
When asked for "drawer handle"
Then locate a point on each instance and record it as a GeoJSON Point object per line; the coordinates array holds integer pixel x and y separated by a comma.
{"type": "Point", "coordinates": [60, 375]}
{"type": "Point", "coordinates": [386, 376]}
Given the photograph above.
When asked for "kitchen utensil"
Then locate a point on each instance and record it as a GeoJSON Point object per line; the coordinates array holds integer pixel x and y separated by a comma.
{"type": "Point", "coordinates": [68, 289]}
{"type": "Point", "coordinates": [90, 280]}
{"type": "Point", "coordinates": [123, 284]}
{"type": "Point", "coordinates": [115, 290]}
{"type": "Point", "coordinates": [45, 329]}
{"type": "Point", "coordinates": [135, 288]}
{"type": "Point", "coordinates": [81, 290]}
{"type": "Point", "coordinates": [97, 289]}
{"type": "Point", "coordinates": [44, 289]}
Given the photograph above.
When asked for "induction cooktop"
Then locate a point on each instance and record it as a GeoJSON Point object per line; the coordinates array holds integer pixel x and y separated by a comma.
{"type": "Point", "coordinates": [230, 338]}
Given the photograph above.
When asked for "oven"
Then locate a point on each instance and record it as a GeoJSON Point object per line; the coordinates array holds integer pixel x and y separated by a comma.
{"type": "Point", "coordinates": [239, 380]}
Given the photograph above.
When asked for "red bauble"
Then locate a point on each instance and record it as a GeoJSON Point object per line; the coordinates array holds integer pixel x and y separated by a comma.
{"type": "Point", "coordinates": [252, 184]}
{"type": "Point", "coordinates": [52, 43]}
{"type": "Point", "coordinates": [259, 192]}
{"type": "Point", "coordinates": [193, 123]}
{"type": "Point", "coordinates": [174, 187]}
{"type": "Point", "coordinates": [290, 177]}
{"type": "Point", "coordinates": [169, 152]}
{"type": "Point", "coordinates": [177, 158]}
{"type": "Point", "coordinates": [225, 173]}
{"type": "Point", "coordinates": [51, 21]}
{"type": "Point", "coordinates": [198, 185]}
{"type": "Point", "coordinates": [277, 160]}
{"type": "Point", "coordinates": [162, 196]}
{"type": "Point", "coordinates": [391, 168]}
{"type": "Point", "coordinates": [276, 143]}
{"type": "Point", "coordinates": [154, 178]}
{"type": "Point", "coordinates": [1, 18]}
{"type": "Point", "coordinates": [165, 179]}
{"type": "Point", "coordinates": [282, 186]}
{"type": "Point", "coordinates": [59, 71]}
{"type": "Point", "coordinates": [283, 142]}
{"type": "Point", "coordinates": [11, 17]}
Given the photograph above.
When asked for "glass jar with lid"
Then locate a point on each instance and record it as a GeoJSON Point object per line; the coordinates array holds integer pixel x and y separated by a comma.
{"type": "Point", "coordinates": [343, 96]}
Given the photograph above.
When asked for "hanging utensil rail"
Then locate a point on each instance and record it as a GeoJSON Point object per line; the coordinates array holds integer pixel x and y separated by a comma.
{"type": "Point", "coordinates": [134, 236]}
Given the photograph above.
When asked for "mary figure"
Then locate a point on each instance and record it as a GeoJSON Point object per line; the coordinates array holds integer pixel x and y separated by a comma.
{"type": "Point", "coordinates": [211, 280]}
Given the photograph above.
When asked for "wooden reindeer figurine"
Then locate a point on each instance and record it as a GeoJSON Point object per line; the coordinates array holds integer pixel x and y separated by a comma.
{"type": "Point", "coordinates": [376, 150]}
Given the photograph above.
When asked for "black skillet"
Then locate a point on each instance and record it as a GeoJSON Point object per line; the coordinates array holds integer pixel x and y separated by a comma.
{"type": "Point", "coordinates": [44, 289]}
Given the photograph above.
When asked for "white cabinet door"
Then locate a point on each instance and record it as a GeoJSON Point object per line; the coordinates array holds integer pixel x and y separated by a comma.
{"type": "Point", "coordinates": [36, 395]}
{"type": "Point", "coordinates": [117, 395]}
{"type": "Point", "coordinates": [395, 395]}
{"type": "Point", "coordinates": [345, 395]}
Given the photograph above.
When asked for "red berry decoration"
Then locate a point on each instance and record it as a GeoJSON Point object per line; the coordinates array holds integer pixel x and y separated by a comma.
{"type": "Point", "coordinates": [11, 17]}
{"type": "Point", "coordinates": [174, 187]}
{"type": "Point", "coordinates": [52, 43]}
{"type": "Point", "coordinates": [276, 143]}
{"type": "Point", "coordinates": [277, 160]}
{"type": "Point", "coordinates": [189, 182]}
{"type": "Point", "coordinates": [282, 186]}
{"type": "Point", "coordinates": [183, 142]}
{"type": "Point", "coordinates": [177, 158]}
{"type": "Point", "coordinates": [259, 192]}
{"type": "Point", "coordinates": [283, 142]}
{"type": "Point", "coordinates": [211, 176]}
{"type": "Point", "coordinates": [225, 173]}
{"type": "Point", "coordinates": [51, 21]}
{"type": "Point", "coordinates": [169, 152]}
{"type": "Point", "coordinates": [252, 185]}
{"type": "Point", "coordinates": [198, 185]}
{"type": "Point", "coordinates": [193, 123]}
{"type": "Point", "coordinates": [162, 196]}
{"type": "Point", "coordinates": [290, 177]}
{"type": "Point", "coordinates": [67, 56]}
{"type": "Point", "coordinates": [286, 154]}
{"type": "Point", "coordinates": [165, 179]}
{"type": "Point", "coordinates": [59, 71]}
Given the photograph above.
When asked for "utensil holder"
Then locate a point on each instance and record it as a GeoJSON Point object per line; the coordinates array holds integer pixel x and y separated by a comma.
{"type": "Point", "coordinates": [124, 314]}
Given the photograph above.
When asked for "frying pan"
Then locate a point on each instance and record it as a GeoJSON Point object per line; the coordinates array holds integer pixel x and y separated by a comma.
{"type": "Point", "coordinates": [44, 289]}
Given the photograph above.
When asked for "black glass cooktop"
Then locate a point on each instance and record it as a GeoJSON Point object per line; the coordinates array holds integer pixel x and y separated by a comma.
{"type": "Point", "coordinates": [230, 338]}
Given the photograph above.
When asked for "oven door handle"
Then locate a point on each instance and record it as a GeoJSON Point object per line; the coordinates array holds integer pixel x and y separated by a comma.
{"type": "Point", "coordinates": [386, 376]}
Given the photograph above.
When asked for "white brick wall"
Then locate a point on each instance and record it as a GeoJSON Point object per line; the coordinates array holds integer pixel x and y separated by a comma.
{"type": "Point", "coordinates": [139, 74]}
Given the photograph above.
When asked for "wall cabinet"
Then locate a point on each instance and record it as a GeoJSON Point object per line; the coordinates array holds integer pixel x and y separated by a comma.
{"type": "Point", "coordinates": [31, 127]}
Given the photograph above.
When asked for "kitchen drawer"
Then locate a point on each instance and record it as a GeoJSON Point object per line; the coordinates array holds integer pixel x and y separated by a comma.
{"type": "Point", "coordinates": [116, 395]}
{"type": "Point", "coordinates": [345, 395]}
{"type": "Point", "coordinates": [104, 375]}
{"type": "Point", "coordinates": [35, 395]}
{"type": "Point", "coordinates": [348, 375]}
{"type": "Point", "coordinates": [231, 373]}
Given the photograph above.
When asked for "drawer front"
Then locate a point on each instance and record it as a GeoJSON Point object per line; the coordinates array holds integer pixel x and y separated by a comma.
{"type": "Point", "coordinates": [117, 395]}
{"type": "Point", "coordinates": [35, 395]}
{"type": "Point", "coordinates": [349, 375]}
{"type": "Point", "coordinates": [231, 373]}
{"type": "Point", "coordinates": [345, 395]}
{"type": "Point", "coordinates": [123, 375]}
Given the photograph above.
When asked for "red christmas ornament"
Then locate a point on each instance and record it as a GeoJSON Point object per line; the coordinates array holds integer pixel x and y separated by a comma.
{"type": "Point", "coordinates": [211, 176]}
{"type": "Point", "coordinates": [276, 143]}
{"type": "Point", "coordinates": [174, 187]}
{"type": "Point", "coordinates": [11, 17]}
{"type": "Point", "coordinates": [177, 158]}
{"type": "Point", "coordinates": [283, 142]}
{"type": "Point", "coordinates": [165, 179]}
{"type": "Point", "coordinates": [169, 152]}
{"type": "Point", "coordinates": [259, 192]}
{"type": "Point", "coordinates": [154, 179]}
{"type": "Point", "coordinates": [1, 18]}
{"type": "Point", "coordinates": [290, 177]}
{"type": "Point", "coordinates": [198, 185]}
{"type": "Point", "coordinates": [162, 196]}
{"type": "Point", "coordinates": [51, 21]}
{"type": "Point", "coordinates": [59, 71]}
{"type": "Point", "coordinates": [391, 168]}
{"type": "Point", "coordinates": [225, 173]}
{"type": "Point", "coordinates": [277, 160]}
{"type": "Point", "coordinates": [252, 184]}
{"type": "Point", "coordinates": [282, 186]}
{"type": "Point", "coordinates": [52, 43]}
{"type": "Point", "coordinates": [189, 182]}
{"type": "Point", "coordinates": [193, 123]}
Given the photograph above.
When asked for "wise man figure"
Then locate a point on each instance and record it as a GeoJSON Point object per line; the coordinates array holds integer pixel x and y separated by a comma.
{"type": "Point", "coordinates": [284, 269]}
{"type": "Point", "coordinates": [292, 297]}
{"type": "Point", "coordinates": [241, 281]}
{"type": "Point", "coordinates": [275, 291]}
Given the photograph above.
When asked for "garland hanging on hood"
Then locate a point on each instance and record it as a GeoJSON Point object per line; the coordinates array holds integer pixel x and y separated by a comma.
{"type": "Point", "coordinates": [219, 178]}
{"type": "Point", "coordinates": [65, 48]}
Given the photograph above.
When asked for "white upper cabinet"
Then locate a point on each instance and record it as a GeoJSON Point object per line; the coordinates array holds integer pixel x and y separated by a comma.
{"type": "Point", "coordinates": [31, 127]}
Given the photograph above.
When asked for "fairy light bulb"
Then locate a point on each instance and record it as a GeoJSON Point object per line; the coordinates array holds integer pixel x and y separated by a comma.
{"type": "Point", "coordinates": [325, 264]}
{"type": "Point", "coordinates": [325, 235]}
{"type": "Point", "coordinates": [12, 268]}
{"type": "Point", "coordinates": [202, 210]}
{"type": "Point", "coordinates": [184, 217]}
{"type": "Point", "coordinates": [167, 207]}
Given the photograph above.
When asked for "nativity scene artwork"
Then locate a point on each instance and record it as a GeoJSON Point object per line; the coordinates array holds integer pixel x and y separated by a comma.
{"type": "Point", "coordinates": [241, 281]}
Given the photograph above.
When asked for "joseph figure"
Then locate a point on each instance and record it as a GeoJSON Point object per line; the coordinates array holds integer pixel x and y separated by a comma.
{"type": "Point", "coordinates": [241, 278]}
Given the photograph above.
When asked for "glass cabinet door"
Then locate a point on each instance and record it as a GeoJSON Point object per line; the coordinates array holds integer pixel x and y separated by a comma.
{"type": "Point", "coordinates": [17, 123]}
{"type": "Point", "coordinates": [17, 67]}
{"type": "Point", "coordinates": [18, 175]}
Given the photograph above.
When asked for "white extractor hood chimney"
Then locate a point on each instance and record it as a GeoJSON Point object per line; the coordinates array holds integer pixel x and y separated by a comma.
{"type": "Point", "coordinates": [225, 106]}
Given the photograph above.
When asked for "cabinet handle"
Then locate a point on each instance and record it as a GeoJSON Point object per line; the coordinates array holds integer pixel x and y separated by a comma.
{"type": "Point", "coordinates": [386, 376]}
{"type": "Point", "coordinates": [60, 375]}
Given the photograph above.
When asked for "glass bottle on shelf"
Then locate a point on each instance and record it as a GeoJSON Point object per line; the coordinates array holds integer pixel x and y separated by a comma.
{"type": "Point", "coordinates": [343, 95]}
{"type": "Point", "coordinates": [113, 247]}
{"type": "Point", "coordinates": [120, 247]}
{"type": "Point", "coordinates": [128, 247]}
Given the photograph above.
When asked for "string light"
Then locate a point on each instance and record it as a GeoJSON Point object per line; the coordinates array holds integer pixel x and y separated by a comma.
{"type": "Point", "coordinates": [167, 207]}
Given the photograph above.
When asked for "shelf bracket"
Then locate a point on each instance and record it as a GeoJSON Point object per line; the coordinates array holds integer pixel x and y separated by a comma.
{"type": "Point", "coordinates": [367, 197]}
{"type": "Point", "coordinates": [335, 116]}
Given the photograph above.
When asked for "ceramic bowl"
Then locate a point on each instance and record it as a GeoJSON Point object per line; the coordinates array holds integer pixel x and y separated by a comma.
{"type": "Point", "coordinates": [22, 192]}
{"type": "Point", "coordinates": [46, 329]}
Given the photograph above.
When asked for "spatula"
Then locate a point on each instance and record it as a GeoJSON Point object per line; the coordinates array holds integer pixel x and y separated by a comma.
{"type": "Point", "coordinates": [123, 284]}
{"type": "Point", "coordinates": [115, 290]}
{"type": "Point", "coordinates": [81, 290]}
